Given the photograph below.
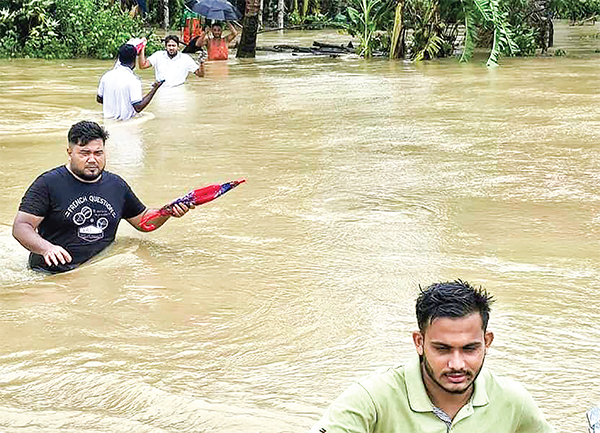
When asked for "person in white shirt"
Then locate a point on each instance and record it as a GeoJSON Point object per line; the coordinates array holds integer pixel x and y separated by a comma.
{"type": "Point", "coordinates": [120, 90]}
{"type": "Point", "coordinates": [171, 65]}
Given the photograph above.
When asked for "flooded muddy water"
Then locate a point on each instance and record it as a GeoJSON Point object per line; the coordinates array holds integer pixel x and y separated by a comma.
{"type": "Point", "coordinates": [365, 179]}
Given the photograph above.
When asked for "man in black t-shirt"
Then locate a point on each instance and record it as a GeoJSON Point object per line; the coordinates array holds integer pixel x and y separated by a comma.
{"type": "Point", "coordinates": [72, 212]}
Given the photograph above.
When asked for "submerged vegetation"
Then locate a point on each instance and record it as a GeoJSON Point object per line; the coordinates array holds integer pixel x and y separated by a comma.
{"type": "Point", "coordinates": [417, 29]}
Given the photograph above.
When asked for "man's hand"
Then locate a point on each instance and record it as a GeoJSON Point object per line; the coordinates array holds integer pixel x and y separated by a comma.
{"type": "Point", "coordinates": [181, 209]}
{"type": "Point", "coordinates": [157, 84]}
{"type": "Point", "coordinates": [178, 211]}
{"type": "Point", "coordinates": [55, 254]}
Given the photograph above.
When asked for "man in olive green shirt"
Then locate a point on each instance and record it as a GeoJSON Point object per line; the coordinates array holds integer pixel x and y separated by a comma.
{"type": "Point", "coordinates": [445, 389]}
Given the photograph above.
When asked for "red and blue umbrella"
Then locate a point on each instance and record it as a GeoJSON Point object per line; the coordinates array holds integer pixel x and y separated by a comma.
{"type": "Point", "coordinates": [196, 197]}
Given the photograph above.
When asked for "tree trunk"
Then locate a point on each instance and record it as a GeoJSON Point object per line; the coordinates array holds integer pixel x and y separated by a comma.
{"type": "Point", "coordinates": [542, 20]}
{"type": "Point", "coordinates": [280, 13]}
{"type": "Point", "coordinates": [165, 5]}
{"type": "Point", "coordinates": [260, 15]}
{"type": "Point", "coordinates": [397, 46]}
{"type": "Point", "coordinates": [247, 47]}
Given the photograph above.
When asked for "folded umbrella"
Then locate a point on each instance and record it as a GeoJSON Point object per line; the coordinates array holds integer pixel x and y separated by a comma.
{"type": "Point", "coordinates": [218, 10]}
{"type": "Point", "coordinates": [197, 197]}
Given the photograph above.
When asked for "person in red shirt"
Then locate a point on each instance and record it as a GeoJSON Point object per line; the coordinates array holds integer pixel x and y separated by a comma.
{"type": "Point", "coordinates": [217, 45]}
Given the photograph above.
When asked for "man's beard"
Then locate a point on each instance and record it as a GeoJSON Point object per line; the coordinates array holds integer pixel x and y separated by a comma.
{"type": "Point", "coordinates": [431, 374]}
{"type": "Point", "coordinates": [87, 177]}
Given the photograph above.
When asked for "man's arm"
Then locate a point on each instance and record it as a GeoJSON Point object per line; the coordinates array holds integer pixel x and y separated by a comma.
{"type": "Point", "coordinates": [179, 210]}
{"type": "Point", "coordinates": [231, 36]}
{"type": "Point", "coordinates": [200, 71]}
{"type": "Point", "coordinates": [146, 99]}
{"type": "Point", "coordinates": [99, 99]}
{"type": "Point", "coordinates": [25, 231]}
{"type": "Point", "coordinates": [201, 40]}
{"type": "Point", "coordinates": [143, 62]}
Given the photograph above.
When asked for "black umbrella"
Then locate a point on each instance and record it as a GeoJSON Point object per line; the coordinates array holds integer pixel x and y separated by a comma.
{"type": "Point", "coordinates": [217, 10]}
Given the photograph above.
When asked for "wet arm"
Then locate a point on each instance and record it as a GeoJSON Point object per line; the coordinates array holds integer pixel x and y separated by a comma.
{"type": "Point", "coordinates": [25, 231]}
{"type": "Point", "coordinates": [200, 71]}
{"type": "Point", "coordinates": [179, 210]}
{"type": "Point", "coordinates": [143, 62]}
{"type": "Point", "coordinates": [231, 36]}
{"type": "Point", "coordinates": [201, 41]}
{"type": "Point", "coordinates": [146, 99]}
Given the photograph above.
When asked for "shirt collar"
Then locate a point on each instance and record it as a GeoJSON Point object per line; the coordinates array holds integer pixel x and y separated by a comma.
{"type": "Point", "coordinates": [172, 58]}
{"type": "Point", "coordinates": [417, 395]}
{"type": "Point", "coordinates": [121, 65]}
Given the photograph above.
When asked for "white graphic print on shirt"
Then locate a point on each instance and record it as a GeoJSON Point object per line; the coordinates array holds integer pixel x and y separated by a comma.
{"type": "Point", "coordinates": [91, 216]}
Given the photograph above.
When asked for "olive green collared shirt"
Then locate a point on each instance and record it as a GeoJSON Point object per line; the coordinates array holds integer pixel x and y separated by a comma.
{"type": "Point", "coordinates": [395, 401]}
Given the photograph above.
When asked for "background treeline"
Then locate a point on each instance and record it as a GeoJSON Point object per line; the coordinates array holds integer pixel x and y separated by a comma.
{"type": "Point", "coordinates": [64, 28]}
{"type": "Point", "coordinates": [417, 29]}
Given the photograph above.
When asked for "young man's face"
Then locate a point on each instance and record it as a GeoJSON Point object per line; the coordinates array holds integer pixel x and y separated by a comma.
{"type": "Point", "coordinates": [452, 352]}
{"type": "Point", "coordinates": [87, 161]}
{"type": "Point", "coordinates": [216, 31]}
{"type": "Point", "coordinates": [171, 47]}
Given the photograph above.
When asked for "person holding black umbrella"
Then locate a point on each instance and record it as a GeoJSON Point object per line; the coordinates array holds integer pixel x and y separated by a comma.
{"type": "Point", "coordinates": [216, 44]}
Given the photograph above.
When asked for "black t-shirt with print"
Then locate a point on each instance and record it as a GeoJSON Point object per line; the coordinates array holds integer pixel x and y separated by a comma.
{"type": "Point", "coordinates": [80, 217]}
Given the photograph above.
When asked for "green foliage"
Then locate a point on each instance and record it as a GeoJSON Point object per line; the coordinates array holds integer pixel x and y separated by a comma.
{"type": "Point", "coordinates": [575, 9]}
{"type": "Point", "coordinates": [428, 29]}
{"type": "Point", "coordinates": [526, 39]}
{"type": "Point", "coordinates": [64, 28]}
{"type": "Point", "coordinates": [155, 12]}
{"type": "Point", "coordinates": [367, 21]}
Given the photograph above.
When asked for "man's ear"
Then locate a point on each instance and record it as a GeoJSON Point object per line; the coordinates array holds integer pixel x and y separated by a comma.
{"type": "Point", "coordinates": [69, 151]}
{"type": "Point", "coordinates": [489, 337]}
{"type": "Point", "coordinates": [419, 341]}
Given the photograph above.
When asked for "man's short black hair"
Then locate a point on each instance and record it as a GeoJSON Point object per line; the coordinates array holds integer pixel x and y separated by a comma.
{"type": "Point", "coordinates": [217, 23]}
{"type": "Point", "coordinates": [452, 299]}
{"type": "Point", "coordinates": [85, 131]}
{"type": "Point", "coordinates": [127, 54]}
{"type": "Point", "coordinates": [172, 38]}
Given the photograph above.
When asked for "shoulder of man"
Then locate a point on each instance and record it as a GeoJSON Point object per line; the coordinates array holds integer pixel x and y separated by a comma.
{"type": "Point", "coordinates": [504, 387]}
{"type": "Point", "coordinates": [156, 55]}
{"type": "Point", "coordinates": [109, 176]}
{"type": "Point", "coordinates": [356, 409]}
{"type": "Point", "coordinates": [384, 375]}
{"type": "Point", "coordinates": [54, 173]}
{"type": "Point", "coordinates": [384, 382]}
{"type": "Point", "coordinates": [504, 392]}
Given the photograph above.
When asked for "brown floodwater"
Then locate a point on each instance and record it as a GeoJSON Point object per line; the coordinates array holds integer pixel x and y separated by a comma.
{"type": "Point", "coordinates": [366, 179]}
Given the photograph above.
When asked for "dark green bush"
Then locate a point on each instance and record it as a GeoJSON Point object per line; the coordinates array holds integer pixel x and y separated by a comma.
{"type": "Point", "coordinates": [66, 29]}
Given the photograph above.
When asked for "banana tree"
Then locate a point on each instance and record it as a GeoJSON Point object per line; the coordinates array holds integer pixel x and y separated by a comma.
{"type": "Point", "coordinates": [397, 41]}
{"type": "Point", "coordinates": [366, 19]}
{"type": "Point", "coordinates": [488, 13]}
